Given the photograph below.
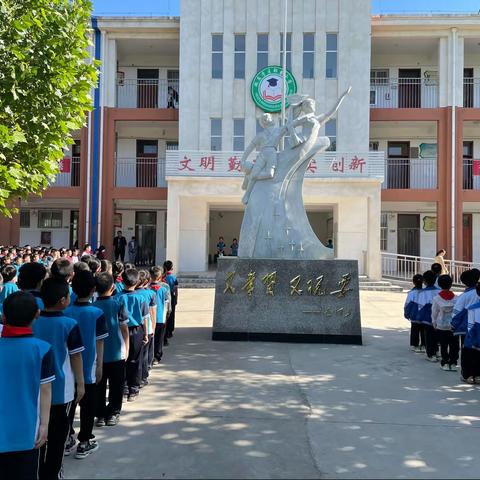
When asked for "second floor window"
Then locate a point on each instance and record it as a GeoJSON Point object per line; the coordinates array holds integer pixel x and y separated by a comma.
{"type": "Point", "coordinates": [331, 133]}
{"type": "Point", "coordinates": [289, 50]}
{"type": "Point", "coordinates": [215, 134]}
{"type": "Point", "coordinates": [50, 219]}
{"type": "Point", "coordinates": [239, 56]}
{"type": "Point", "coordinates": [262, 51]}
{"type": "Point", "coordinates": [331, 58]}
{"type": "Point", "coordinates": [238, 134]}
{"type": "Point", "coordinates": [308, 55]}
{"type": "Point", "coordinates": [217, 56]}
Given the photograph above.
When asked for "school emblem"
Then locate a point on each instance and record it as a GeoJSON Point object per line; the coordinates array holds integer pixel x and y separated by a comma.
{"type": "Point", "coordinates": [266, 88]}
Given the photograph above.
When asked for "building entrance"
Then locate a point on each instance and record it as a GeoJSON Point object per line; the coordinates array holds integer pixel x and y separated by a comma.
{"type": "Point", "coordinates": [146, 233]}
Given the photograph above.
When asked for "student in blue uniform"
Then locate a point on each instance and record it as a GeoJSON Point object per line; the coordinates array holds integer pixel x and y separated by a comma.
{"type": "Point", "coordinates": [30, 280]}
{"type": "Point", "coordinates": [460, 311]}
{"type": "Point", "coordinates": [117, 271]}
{"type": "Point", "coordinates": [26, 377]}
{"type": "Point", "coordinates": [425, 298]}
{"type": "Point", "coordinates": [93, 329]}
{"type": "Point", "coordinates": [171, 279]}
{"type": "Point", "coordinates": [9, 273]}
{"type": "Point", "coordinates": [151, 299]}
{"type": "Point", "coordinates": [417, 333]}
{"type": "Point", "coordinates": [162, 291]}
{"type": "Point", "coordinates": [470, 358]}
{"type": "Point", "coordinates": [115, 351]}
{"type": "Point", "coordinates": [138, 318]}
{"type": "Point", "coordinates": [63, 334]}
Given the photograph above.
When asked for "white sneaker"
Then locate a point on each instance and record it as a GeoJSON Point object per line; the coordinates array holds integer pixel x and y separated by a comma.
{"type": "Point", "coordinates": [453, 367]}
{"type": "Point", "coordinates": [412, 348]}
{"type": "Point", "coordinates": [445, 367]}
{"type": "Point", "coordinates": [431, 359]}
{"type": "Point", "coordinates": [418, 350]}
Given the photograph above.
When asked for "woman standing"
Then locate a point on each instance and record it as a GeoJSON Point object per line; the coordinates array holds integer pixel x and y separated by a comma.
{"type": "Point", "coordinates": [439, 259]}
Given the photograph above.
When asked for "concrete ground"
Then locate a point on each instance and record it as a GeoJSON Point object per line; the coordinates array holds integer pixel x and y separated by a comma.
{"type": "Point", "coordinates": [266, 410]}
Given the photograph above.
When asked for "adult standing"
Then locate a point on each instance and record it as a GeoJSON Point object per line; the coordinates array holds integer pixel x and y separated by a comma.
{"type": "Point", "coordinates": [439, 258]}
{"type": "Point", "coordinates": [132, 250]}
{"type": "Point", "coordinates": [119, 246]}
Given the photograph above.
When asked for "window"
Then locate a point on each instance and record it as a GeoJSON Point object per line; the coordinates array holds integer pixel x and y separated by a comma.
{"type": "Point", "coordinates": [331, 133]}
{"type": "Point", "coordinates": [216, 134]}
{"type": "Point", "coordinates": [238, 134]}
{"type": "Point", "coordinates": [289, 50]}
{"type": "Point", "coordinates": [379, 77]}
{"type": "Point", "coordinates": [172, 145]}
{"type": "Point", "coordinates": [50, 219]}
{"type": "Point", "coordinates": [217, 56]}
{"type": "Point", "coordinates": [262, 51]}
{"type": "Point", "coordinates": [24, 218]}
{"type": "Point", "coordinates": [331, 59]}
{"type": "Point", "coordinates": [239, 56]}
{"type": "Point", "coordinates": [308, 55]}
{"type": "Point", "coordinates": [383, 232]}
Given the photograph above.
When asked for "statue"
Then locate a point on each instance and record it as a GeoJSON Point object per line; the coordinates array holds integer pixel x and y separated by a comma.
{"type": "Point", "coordinates": [275, 224]}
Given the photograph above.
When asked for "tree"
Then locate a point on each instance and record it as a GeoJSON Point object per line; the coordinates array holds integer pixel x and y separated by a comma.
{"type": "Point", "coordinates": [46, 80]}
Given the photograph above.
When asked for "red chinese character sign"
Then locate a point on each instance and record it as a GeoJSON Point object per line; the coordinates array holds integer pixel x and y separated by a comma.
{"type": "Point", "coordinates": [476, 168]}
{"type": "Point", "coordinates": [65, 165]}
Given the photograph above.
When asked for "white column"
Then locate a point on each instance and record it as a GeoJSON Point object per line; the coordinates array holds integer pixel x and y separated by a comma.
{"type": "Point", "coordinates": [173, 223]}
{"type": "Point", "coordinates": [110, 73]}
{"type": "Point", "coordinates": [373, 267]}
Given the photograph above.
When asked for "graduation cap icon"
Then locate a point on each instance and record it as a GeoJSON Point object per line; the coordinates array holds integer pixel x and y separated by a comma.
{"type": "Point", "coordinates": [272, 82]}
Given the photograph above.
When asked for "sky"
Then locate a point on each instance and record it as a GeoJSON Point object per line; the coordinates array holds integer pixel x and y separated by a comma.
{"type": "Point", "coordinates": [171, 7]}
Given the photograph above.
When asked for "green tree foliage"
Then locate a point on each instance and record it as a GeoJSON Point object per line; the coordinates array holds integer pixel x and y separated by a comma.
{"type": "Point", "coordinates": [45, 89]}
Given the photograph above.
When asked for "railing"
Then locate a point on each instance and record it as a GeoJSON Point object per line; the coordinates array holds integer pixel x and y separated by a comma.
{"type": "Point", "coordinates": [471, 179]}
{"type": "Point", "coordinates": [403, 267]}
{"type": "Point", "coordinates": [198, 163]}
{"type": "Point", "coordinates": [147, 93]}
{"type": "Point", "coordinates": [471, 92]}
{"type": "Point", "coordinates": [71, 178]}
{"type": "Point", "coordinates": [140, 172]}
{"type": "Point", "coordinates": [404, 93]}
{"type": "Point", "coordinates": [410, 173]}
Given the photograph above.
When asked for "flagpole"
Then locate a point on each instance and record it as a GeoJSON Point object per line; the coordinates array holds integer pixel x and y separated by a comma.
{"type": "Point", "coordinates": [284, 67]}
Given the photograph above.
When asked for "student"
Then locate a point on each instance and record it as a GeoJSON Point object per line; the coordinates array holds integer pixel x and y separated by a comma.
{"type": "Point", "coordinates": [470, 358]}
{"type": "Point", "coordinates": [18, 263]}
{"type": "Point", "coordinates": [115, 351]}
{"type": "Point", "coordinates": [63, 334]}
{"type": "Point", "coordinates": [106, 266]}
{"type": "Point", "coordinates": [162, 290]}
{"type": "Point", "coordinates": [30, 280]}
{"type": "Point", "coordinates": [151, 299]}
{"type": "Point", "coordinates": [26, 376]}
{"type": "Point", "coordinates": [234, 248]}
{"type": "Point", "coordinates": [442, 311]}
{"type": "Point", "coordinates": [94, 265]}
{"type": "Point", "coordinates": [460, 311]}
{"type": "Point", "coordinates": [9, 273]}
{"type": "Point", "coordinates": [436, 268]}
{"type": "Point", "coordinates": [138, 318]}
{"type": "Point", "coordinates": [171, 279]}
{"type": "Point", "coordinates": [425, 298]}
{"type": "Point", "coordinates": [221, 247]}
{"type": "Point", "coordinates": [417, 333]}
{"type": "Point", "coordinates": [91, 321]}
{"type": "Point", "coordinates": [117, 271]}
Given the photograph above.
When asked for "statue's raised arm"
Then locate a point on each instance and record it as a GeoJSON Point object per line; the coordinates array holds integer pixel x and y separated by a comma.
{"type": "Point", "coordinates": [325, 117]}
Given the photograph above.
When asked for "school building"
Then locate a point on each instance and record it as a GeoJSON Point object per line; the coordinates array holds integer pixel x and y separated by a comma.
{"type": "Point", "coordinates": [159, 157]}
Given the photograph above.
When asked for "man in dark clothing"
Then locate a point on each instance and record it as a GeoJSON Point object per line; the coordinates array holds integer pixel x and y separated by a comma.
{"type": "Point", "coordinates": [119, 245]}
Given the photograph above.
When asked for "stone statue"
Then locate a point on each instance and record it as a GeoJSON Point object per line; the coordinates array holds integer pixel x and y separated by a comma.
{"type": "Point", "coordinates": [275, 224]}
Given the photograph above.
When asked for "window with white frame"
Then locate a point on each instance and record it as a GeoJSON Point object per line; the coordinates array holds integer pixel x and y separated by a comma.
{"type": "Point", "coordinates": [239, 60]}
{"type": "Point", "coordinates": [216, 134]}
{"type": "Point", "coordinates": [384, 232]}
{"type": "Point", "coordinates": [217, 56]}
{"type": "Point", "coordinates": [289, 50]}
{"type": "Point", "coordinates": [24, 218]}
{"type": "Point", "coordinates": [308, 55]}
{"type": "Point", "coordinates": [171, 145]}
{"type": "Point", "coordinates": [238, 134]}
{"type": "Point", "coordinates": [331, 133]}
{"type": "Point", "coordinates": [262, 51]}
{"type": "Point", "coordinates": [331, 55]}
{"type": "Point", "coordinates": [379, 76]}
{"type": "Point", "coordinates": [50, 219]}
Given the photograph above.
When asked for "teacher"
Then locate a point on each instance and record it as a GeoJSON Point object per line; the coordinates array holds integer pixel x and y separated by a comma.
{"type": "Point", "coordinates": [119, 246]}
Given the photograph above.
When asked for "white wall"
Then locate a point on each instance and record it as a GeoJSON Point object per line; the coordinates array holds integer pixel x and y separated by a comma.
{"type": "Point", "coordinates": [60, 236]}
{"type": "Point", "coordinates": [476, 238]}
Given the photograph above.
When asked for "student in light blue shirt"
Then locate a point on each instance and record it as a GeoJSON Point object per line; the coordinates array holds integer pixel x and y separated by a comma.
{"type": "Point", "coordinates": [9, 274]}
{"type": "Point", "coordinates": [171, 279]}
{"type": "Point", "coordinates": [162, 290]}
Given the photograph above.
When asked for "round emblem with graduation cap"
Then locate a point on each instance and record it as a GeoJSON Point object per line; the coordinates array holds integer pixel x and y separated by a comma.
{"type": "Point", "coordinates": [266, 88]}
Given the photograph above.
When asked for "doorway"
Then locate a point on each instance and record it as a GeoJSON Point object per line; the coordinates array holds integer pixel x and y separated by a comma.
{"type": "Point", "coordinates": [409, 234]}
{"type": "Point", "coordinates": [398, 170]}
{"type": "Point", "coordinates": [147, 88]}
{"type": "Point", "coordinates": [73, 234]}
{"type": "Point", "coordinates": [467, 237]}
{"type": "Point", "coordinates": [147, 162]}
{"type": "Point", "coordinates": [409, 88]}
{"type": "Point", "coordinates": [146, 236]}
{"type": "Point", "coordinates": [468, 165]}
{"type": "Point", "coordinates": [468, 87]}
{"type": "Point", "coordinates": [75, 168]}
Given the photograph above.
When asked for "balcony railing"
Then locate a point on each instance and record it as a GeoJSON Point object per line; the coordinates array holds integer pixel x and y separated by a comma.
{"type": "Point", "coordinates": [140, 172]}
{"type": "Point", "coordinates": [404, 93]}
{"type": "Point", "coordinates": [147, 93]}
{"type": "Point", "coordinates": [410, 173]}
{"type": "Point", "coordinates": [470, 180]}
{"type": "Point", "coordinates": [71, 178]}
{"type": "Point", "coordinates": [471, 92]}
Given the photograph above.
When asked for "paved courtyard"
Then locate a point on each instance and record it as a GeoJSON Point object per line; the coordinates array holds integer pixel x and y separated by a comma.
{"type": "Point", "coordinates": [266, 410]}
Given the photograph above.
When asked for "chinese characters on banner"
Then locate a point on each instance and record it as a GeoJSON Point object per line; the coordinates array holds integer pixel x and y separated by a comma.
{"type": "Point", "coordinates": [476, 168]}
{"type": "Point", "coordinates": [65, 165]}
{"type": "Point", "coordinates": [228, 164]}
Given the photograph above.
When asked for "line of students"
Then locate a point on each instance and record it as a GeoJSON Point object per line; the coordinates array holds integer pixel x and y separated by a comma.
{"type": "Point", "coordinates": [443, 323]}
{"type": "Point", "coordinates": [82, 329]}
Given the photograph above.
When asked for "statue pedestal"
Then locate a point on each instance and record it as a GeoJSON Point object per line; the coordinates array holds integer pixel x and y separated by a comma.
{"type": "Point", "coordinates": [310, 301]}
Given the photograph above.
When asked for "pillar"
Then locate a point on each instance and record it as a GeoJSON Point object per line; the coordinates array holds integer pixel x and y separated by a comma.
{"type": "Point", "coordinates": [373, 267]}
